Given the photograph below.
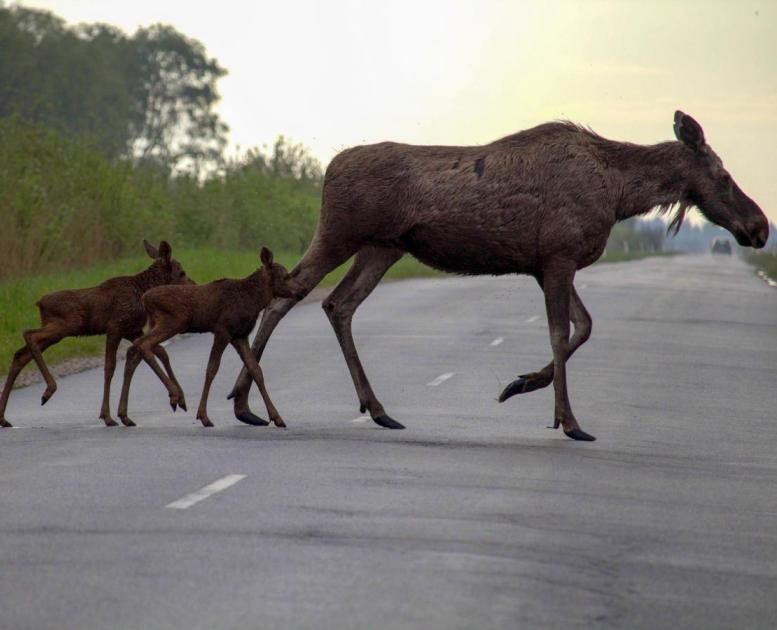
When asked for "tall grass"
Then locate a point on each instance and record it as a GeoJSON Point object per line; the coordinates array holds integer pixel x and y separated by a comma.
{"type": "Point", "coordinates": [764, 261]}
{"type": "Point", "coordinates": [63, 205]}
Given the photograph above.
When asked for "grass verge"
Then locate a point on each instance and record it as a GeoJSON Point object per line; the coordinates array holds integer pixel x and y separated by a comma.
{"type": "Point", "coordinates": [18, 296]}
{"type": "Point", "coordinates": [764, 261]}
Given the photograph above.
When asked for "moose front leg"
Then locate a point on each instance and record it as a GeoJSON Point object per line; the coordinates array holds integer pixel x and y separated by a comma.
{"type": "Point", "coordinates": [532, 381]}
{"type": "Point", "coordinates": [557, 286]}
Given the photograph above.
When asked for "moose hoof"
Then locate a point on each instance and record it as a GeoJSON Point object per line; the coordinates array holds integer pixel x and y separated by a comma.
{"type": "Point", "coordinates": [387, 422]}
{"type": "Point", "coordinates": [580, 435]}
{"type": "Point", "coordinates": [205, 422]}
{"type": "Point", "coordinates": [127, 422]}
{"type": "Point", "coordinates": [182, 404]}
{"type": "Point", "coordinates": [110, 422]}
{"type": "Point", "coordinates": [5, 424]}
{"type": "Point", "coordinates": [251, 418]}
{"type": "Point", "coordinates": [278, 422]}
{"type": "Point", "coordinates": [522, 385]}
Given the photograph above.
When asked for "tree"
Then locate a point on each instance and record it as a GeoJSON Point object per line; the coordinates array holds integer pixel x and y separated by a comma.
{"type": "Point", "coordinates": [173, 93]}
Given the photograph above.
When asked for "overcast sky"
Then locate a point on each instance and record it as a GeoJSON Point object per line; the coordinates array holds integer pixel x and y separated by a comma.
{"type": "Point", "coordinates": [337, 73]}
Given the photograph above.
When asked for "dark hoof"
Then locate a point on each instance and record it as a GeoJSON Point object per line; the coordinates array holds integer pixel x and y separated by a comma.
{"type": "Point", "coordinates": [580, 435]}
{"type": "Point", "coordinates": [128, 423]}
{"type": "Point", "coordinates": [110, 422]}
{"type": "Point", "coordinates": [363, 408]}
{"type": "Point", "coordinates": [252, 419]}
{"type": "Point", "coordinates": [278, 422]}
{"type": "Point", "coordinates": [522, 385]}
{"type": "Point", "coordinates": [388, 422]}
{"type": "Point", "coordinates": [173, 406]}
{"type": "Point", "coordinates": [231, 395]}
{"type": "Point", "coordinates": [206, 422]}
{"type": "Point", "coordinates": [4, 423]}
{"type": "Point", "coordinates": [182, 404]}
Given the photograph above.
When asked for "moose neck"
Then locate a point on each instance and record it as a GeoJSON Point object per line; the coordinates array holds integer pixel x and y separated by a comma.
{"type": "Point", "coordinates": [146, 279]}
{"type": "Point", "coordinates": [257, 286]}
{"type": "Point", "coordinates": [652, 176]}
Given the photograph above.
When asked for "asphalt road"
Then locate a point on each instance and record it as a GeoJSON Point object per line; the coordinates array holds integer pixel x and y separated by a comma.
{"type": "Point", "coordinates": [476, 516]}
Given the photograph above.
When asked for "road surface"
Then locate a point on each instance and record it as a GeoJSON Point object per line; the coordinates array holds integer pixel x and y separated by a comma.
{"type": "Point", "coordinates": [476, 516]}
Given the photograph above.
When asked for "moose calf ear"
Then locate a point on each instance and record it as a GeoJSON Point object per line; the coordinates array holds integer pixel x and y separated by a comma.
{"type": "Point", "coordinates": [165, 251]}
{"type": "Point", "coordinates": [152, 251]}
{"type": "Point", "coordinates": [688, 131]}
{"type": "Point", "coordinates": [266, 257]}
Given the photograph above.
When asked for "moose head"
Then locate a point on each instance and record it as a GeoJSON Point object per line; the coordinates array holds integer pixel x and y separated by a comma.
{"type": "Point", "coordinates": [713, 191]}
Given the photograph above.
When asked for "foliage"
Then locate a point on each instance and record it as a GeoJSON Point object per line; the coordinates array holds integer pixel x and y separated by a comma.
{"type": "Point", "coordinates": [765, 261]}
{"type": "Point", "coordinates": [635, 235]}
{"type": "Point", "coordinates": [64, 205]}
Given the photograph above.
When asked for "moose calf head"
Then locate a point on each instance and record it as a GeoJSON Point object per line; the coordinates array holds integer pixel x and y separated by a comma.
{"type": "Point", "coordinates": [166, 269]}
{"type": "Point", "coordinates": [278, 279]}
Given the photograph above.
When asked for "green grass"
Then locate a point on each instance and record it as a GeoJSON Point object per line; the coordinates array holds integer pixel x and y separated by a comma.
{"type": "Point", "coordinates": [18, 296]}
{"type": "Point", "coordinates": [765, 261]}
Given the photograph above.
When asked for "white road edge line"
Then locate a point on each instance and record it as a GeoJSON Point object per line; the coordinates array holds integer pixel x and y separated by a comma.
{"type": "Point", "coordinates": [496, 341]}
{"type": "Point", "coordinates": [362, 419]}
{"type": "Point", "coordinates": [533, 318]}
{"type": "Point", "coordinates": [440, 379]}
{"type": "Point", "coordinates": [203, 493]}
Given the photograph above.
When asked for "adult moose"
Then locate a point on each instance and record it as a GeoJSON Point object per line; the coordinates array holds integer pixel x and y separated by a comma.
{"type": "Point", "coordinates": [540, 202]}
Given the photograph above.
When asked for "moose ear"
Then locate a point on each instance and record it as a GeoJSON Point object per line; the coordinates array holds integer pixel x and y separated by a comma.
{"type": "Point", "coordinates": [152, 251]}
{"type": "Point", "coordinates": [266, 257]}
{"type": "Point", "coordinates": [688, 131]}
{"type": "Point", "coordinates": [165, 251]}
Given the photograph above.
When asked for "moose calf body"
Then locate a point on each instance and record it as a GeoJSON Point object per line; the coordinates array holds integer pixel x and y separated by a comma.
{"type": "Point", "coordinates": [228, 308]}
{"type": "Point", "coordinates": [112, 308]}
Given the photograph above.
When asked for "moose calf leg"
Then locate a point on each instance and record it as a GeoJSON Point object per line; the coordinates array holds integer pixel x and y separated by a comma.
{"type": "Point", "coordinates": [557, 286]}
{"type": "Point", "coordinates": [162, 355]}
{"type": "Point", "coordinates": [145, 345]}
{"type": "Point", "coordinates": [111, 346]}
{"type": "Point", "coordinates": [32, 338]}
{"type": "Point", "coordinates": [20, 358]}
{"type": "Point", "coordinates": [252, 366]}
{"type": "Point", "coordinates": [219, 343]}
{"type": "Point", "coordinates": [131, 364]}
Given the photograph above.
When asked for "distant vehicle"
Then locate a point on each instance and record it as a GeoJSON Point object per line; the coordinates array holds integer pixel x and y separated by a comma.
{"type": "Point", "coordinates": [721, 246]}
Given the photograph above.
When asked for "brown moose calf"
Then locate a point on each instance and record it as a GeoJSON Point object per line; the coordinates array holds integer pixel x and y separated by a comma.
{"type": "Point", "coordinates": [112, 308]}
{"type": "Point", "coordinates": [228, 308]}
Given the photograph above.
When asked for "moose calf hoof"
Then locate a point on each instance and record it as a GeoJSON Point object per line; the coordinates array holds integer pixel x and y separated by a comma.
{"type": "Point", "coordinates": [580, 435]}
{"type": "Point", "coordinates": [523, 385]}
{"type": "Point", "coordinates": [109, 422]}
{"type": "Point", "coordinates": [387, 422]}
{"type": "Point", "coordinates": [250, 418]}
{"type": "Point", "coordinates": [205, 422]}
{"type": "Point", "coordinates": [5, 424]}
{"type": "Point", "coordinates": [46, 395]}
{"type": "Point", "coordinates": [278, 422]}
{"type": "Point", "coordinates": [128, 423]}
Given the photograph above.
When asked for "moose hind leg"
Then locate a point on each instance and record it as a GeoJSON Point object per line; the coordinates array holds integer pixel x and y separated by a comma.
{"type": "Point", "coordinates": [530, 382]}
{"type": "Point", "coordinates": [369, 266]}
{"type": "Point", "coordinates": [111, 346]}
{"type": "Point", "coordinates": [219, 344]}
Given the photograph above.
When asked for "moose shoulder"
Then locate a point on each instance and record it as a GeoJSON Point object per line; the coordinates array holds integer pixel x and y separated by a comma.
{"type": "Point", "coordinates": [539, 202]}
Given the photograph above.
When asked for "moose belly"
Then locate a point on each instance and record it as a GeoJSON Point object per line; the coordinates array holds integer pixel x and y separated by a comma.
{"type": "Point", "coordinates": [468, 250]}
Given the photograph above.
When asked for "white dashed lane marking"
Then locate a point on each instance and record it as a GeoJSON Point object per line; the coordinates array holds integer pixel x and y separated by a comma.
{"type": "Point", "coordinates": [440, 379]}
{"type": "Point", "coordinates": [533, 318]}
{"type": "Point", "coordinates": [497, 341]}
{"type": "Point", "coordinates": [203, 493]}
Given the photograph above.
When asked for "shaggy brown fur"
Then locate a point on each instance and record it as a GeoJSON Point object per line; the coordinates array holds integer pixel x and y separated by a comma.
{"type": "Point", "coordinates": [539, 202]}
{"type": "Point", "coordinates": [112, 308]}
{"type": "Point", "coordinates": [227, 308]}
